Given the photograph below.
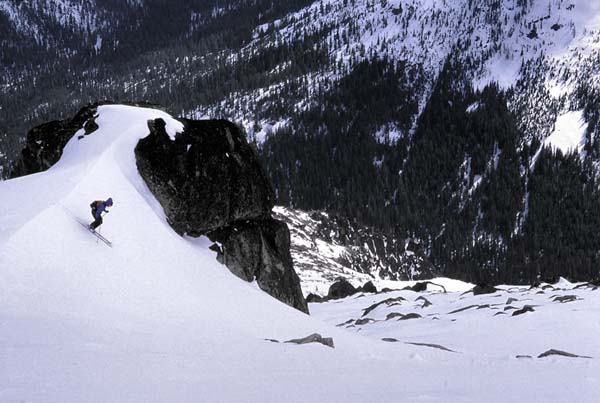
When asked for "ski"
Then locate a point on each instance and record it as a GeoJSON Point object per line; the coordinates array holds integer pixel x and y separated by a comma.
{"type": "Point", "coordinates": [99, 236]}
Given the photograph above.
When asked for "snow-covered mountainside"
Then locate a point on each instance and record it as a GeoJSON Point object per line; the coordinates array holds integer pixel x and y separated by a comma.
{"type": "Point", "coordinates": [436, 121]}
{"type": "Point", "coordinates": [156, 318]}
{"type": "Point", "coordinates": [498, 41]}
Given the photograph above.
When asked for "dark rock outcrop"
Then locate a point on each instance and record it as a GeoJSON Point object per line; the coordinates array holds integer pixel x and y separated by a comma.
{"type": "Point", "coordinates": [388, 302]}
{"type": "Point", "coordinates": [525, 309]}
{"type": "Point", "coordinates": [314, 298]}
{"type": "Point", "coordinates": [561, 353]}
{"type": "Point", "coordinates": [437, 346]}
{"type": "Point", "coordinates": [207, 178]}
{"type": "Point", "coordinates": [426, 302]}
{"type": "Point", "coordinates": [421, 286]}
{"type": "Point", "coordinates": [483, 289]}
{"type": "Point", "coordinates": [565, 298]}
{"type": "Point", "coordinates": [209, 182]}
{"type": "Point", "coordinates": [314, 338]}
{"type": "Point", "coordinates": [45, 143]}
{"type": "Point", "coordinates": [402, 316]}
{"type": "Point", "coordinates": [418, 287]}
{"type": "Point", "coordinates": [369, 287]}
{"type": "Point", "coordinates": [341, 289]}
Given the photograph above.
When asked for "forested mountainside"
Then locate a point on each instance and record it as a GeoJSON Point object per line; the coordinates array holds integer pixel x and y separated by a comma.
{"type": "Point", "coordinates": [470, 126]}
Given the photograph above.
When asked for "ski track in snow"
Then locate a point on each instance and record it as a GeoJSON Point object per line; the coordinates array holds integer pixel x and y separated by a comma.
{"type": "Point", "coordinates": [156, 318]}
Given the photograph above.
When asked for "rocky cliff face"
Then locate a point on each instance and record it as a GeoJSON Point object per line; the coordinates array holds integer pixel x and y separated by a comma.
{"type": "Point", "coordinates": [210, 182]}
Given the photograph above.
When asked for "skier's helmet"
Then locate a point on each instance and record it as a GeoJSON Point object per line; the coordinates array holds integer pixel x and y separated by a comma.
{"type": "Point", "coordinates": [109, 201]}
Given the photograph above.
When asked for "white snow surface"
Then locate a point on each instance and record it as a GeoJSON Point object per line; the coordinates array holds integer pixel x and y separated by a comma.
{"type": "Point", "coordinates": [156, 318]}
{"type": "Point", "coordinates": [569, 133]}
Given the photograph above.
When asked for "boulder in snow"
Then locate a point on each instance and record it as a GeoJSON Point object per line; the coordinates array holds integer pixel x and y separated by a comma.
{"type": "Point", "coordinates": [341, 289]}
{"type": "Point", "coordinates": [314, 338]}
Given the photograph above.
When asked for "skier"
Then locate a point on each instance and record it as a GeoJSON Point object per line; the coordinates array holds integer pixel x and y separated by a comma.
{"type": "Point", "coordinates": [99, 207]}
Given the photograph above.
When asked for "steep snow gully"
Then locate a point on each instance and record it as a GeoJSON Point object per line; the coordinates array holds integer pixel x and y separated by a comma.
{"type": "Point", "coordinates": [156, 318]}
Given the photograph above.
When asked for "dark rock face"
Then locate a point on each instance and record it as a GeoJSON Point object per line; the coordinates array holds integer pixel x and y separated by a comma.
{"type": "Point", "coordinates": [206, 179]}
{"type": "Point", "coordinates": [260, 250]}
{"type": "Point", "coordinates": [209, 182]}
{"type": "Point", "coordinates": [314, 338]}
{"type": "Point", "coordinates": [369, 287]}
{"type": "Point", "coordinates": [561, 353]}
{"type": "Point", "coordinates": [419, 287]}
{"type": "Point", "coordinates": [314, 298]}
{"type": "Point", "coordinates": [483, 289]}
{"type": "Point", "coordinates": [45, 143]}
{"type": "Point", "coordinates": [341, 289]}
{"type": "Point", "coordinates": [525, 309]}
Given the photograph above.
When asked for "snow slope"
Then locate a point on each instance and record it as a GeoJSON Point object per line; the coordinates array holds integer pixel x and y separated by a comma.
{"type": "Point", "coordinates": [156, 318]}
{"type": "Point", "coordinates": [569, 133]}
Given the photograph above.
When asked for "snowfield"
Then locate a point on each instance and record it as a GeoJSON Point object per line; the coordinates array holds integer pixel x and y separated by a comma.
{"type": "Point", "coordinates": [155, 318]}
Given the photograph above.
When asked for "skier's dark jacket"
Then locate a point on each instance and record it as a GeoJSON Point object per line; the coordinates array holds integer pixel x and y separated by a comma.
{"type": "Point", "coordinates": [99, 207]}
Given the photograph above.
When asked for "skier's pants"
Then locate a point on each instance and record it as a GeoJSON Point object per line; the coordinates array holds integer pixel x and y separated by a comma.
{"type": "Point", "coordinates": [97, 221]}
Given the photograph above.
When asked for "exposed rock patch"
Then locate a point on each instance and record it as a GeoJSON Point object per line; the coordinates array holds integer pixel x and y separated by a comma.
{"type": "Point", "coordinates": [480, 289]}
{"type": "Point", "coordinates": [561, 353]}
{"type": "Point", "coordinates": [388, 302]}
{"type": "Point", "coordinates": [565, 298]}
{"type": "Point", "coordinates": [411, 315]}
{"type": "Point", "coordinates": [525, 309]}
{"type": "Point", "coordinates": [422, 286]}
{"type": "Point", "coordinates": [463, 309]}
{"type": "Point", "coordinates": [393, 315]}
{"type": "Point", "coordinates": [349, 321]}
{"type": "Point", "coordinates": [437, 346]}
{"type": "Point", "coordinates": [365, 321]}
{"type": "Point", "coordinates": [314, 298]}
{"type": "Point", "coordinates": [314, 338]}
{"type": "Point", "coordinates": [341, 289]}
{"type": "Point", "coordinates": [369, 287]}
{"type": "Point", "coordinates": [426, 302]}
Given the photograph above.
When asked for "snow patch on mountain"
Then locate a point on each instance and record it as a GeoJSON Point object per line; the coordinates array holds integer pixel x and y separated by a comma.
{"type": "Point", "coordinates": [569, 133]}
